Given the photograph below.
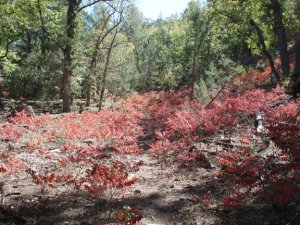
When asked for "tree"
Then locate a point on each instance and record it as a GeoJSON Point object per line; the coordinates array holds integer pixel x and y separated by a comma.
{"type": "Point", "coordinates": [279, 30]}
{"type": "Point", "coordinates": [118, 20]}
{"type": "Point", "coordinates": [72, 11]}
{"type": "Point", "coordinates": [199, 27]}
{"type": "Point", "coordinates": [21, 27]}
{"type": "Point", "coordinates": [261, 41]}
{"type": "Point", "coordinates": [263, 22]}
{"type": "Point", "coordinates": [103, 32]}
{"type": "Point", "coordinates": [295, 30]}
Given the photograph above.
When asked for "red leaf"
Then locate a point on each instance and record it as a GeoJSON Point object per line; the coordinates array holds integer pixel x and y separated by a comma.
{"type": "Point", "coordinates": [134, 220]}
{"type": "Point", "coordinates": [245, 138]}
{"type": "Point", "coordinates": [120, 216]}
{"type": "Point", "coordinates": [197, 198]}
{"type": "Point", "coordinates": [2, 169]}
{"type": "Point", "coordinates": [50, 178]}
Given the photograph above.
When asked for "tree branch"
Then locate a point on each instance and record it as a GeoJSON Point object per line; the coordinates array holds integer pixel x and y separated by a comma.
{"type": "Point", "coordinates": [43, 26]}
{"type": "Point", "coordinates": [90, 4]}
{"type": "Point", "coordinates": [112, 6]}
{"type": "Point", "coordinates": [99, 41]}
{"type": "Point", "coordinates": [102, 36]}
{"type": "Point", "coordinates": [41, 14]}
{"type": "Point", "coordinates": [261, 41]}
{"type": "Point", "coordinates": [7, 49]}
{"type": "Point", "coordinates": [216, 96]}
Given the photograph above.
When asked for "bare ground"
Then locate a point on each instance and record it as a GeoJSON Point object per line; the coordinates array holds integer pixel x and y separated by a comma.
{"type": "Point", "coordinates": [164, 195]}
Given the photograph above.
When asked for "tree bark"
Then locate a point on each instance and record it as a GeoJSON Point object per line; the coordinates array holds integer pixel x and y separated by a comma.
{"type": "Point", "coordinates": [297, 66]}
{"type": "Point", "coordinates": [93, 62]}
{"type": "Point", "coordinates": [88, 93]}
{"type": "Point", "coordinates": [103, 84]}
{"type": "Point", "coordinates": [101, 37]}
{"type": "Point", "coordinates": [281, 36]}
{"type": "Point", "coordinates": [67, 73]}
{"type": "Point", "coordinates": [149, 80]}
{"type": "Point", "coordinates": [194, 75]}
{"type": "Point", "coordinates": [67, 70]}
{"type": "Point", "coordinates": [198, 41]}
{"type": "Point", "coordinates": [261, 41]}
{"type": "Point", "coordinates": [43, 29]}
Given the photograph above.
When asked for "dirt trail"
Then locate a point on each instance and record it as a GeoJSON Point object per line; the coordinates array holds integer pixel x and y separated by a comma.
{"type": "Point", "coordinates": [166, 193]}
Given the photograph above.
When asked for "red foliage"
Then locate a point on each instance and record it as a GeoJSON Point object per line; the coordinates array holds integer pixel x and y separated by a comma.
{"type": "Point", "coordinates": [205, 198]}
{"type": "Point", "coordinates": [190, 121]}
{"type": "Point", "coordinates": [284, 127]}
{"type": "Point", "coordinates": [102, 177]}
{"type": "Point", "coordinates": [252, 77]}
{"type": "Point", "coordinates": [279, 171]}
{"type": "Point", "coordinates": [177, 123]}
{"type": "Point", "coordinates": [180, 123]}
{"type": "Point", "coordinates": [129, 216]}
{"type": "Point", "coordinates": [11, 164]}
{"type": "Point", "coordinates": [81, 140]}
{"type": "Point", "coordinates": [9, 133]}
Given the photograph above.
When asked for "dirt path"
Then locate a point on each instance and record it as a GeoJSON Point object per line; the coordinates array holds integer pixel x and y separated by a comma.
{"type": "Point", "coordinates": [166, 193]}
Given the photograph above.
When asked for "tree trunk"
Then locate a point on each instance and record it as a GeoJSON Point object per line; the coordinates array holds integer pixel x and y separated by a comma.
{"type": "Point", "coordinates": [89, 80]}
{"type": "Point", "coordinates": [194, 75]}
{"type": "Point", "coordinates": [198, 41]}
{"type": "Point", "coordinates": [101, 95]}
{"type": "Point", "coordinates": [103, 85]}
{"type": "Point", "coordinates": [93, 62]}
{"type": "Point", "coordinates": [149, 80]}
{"type": "Point", "coordinates": [264, 48]}
{"type": "Point", "coordinates": [43, 29]}
{"type": "Point", "coordinates": [297, 66]}
{"type": "Point", "coordinates": [24, 89]}
{"type": "Point", "coordinates": [281, 36]}
{"type": "Point", "coordinates": [67, 71]}
{"type": "Point", "coordinates": [88, 93]}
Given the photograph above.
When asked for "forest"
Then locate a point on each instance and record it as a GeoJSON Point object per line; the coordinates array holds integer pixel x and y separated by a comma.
{"type": "Point", "coordinates": [107, 117]}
